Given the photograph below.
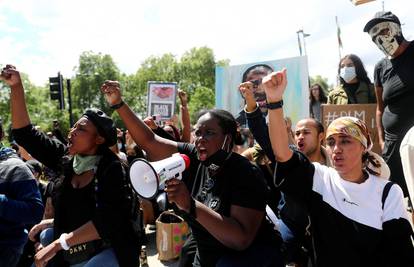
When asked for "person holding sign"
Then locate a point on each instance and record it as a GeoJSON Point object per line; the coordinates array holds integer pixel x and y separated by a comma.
{"type": "Point", "coordinates": [354, 85]}
{"type": "Point", "coordinates": [226, 205]}
{"type": "Point", "coordinates": [358, 217]}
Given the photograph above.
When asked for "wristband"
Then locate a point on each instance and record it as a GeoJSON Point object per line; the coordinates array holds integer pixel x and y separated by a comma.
{"type": "Point", "coordinates": [62, 241]}
{"type": "Point", "coordinates": [275, 105]}
{"type": "Point", "coordinates": [117, 106]}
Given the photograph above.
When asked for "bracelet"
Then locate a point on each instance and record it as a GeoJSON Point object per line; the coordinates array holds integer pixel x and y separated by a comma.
{"type": "Point", "coordinates": [275, 105]}
{"type": "Point", "coordinates": [192, 211]}
{"type": "Point", "coordinates": [117, 106]}
{"type": "Point", "coordinates": [63, 243]}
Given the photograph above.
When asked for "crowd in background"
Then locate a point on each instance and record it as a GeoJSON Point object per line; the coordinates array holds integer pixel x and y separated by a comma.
{"type": "Point", "coordinates": [259, 191]}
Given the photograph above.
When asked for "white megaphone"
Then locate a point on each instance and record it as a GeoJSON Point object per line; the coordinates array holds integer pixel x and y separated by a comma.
{"type": "Point", "coordinates": [146, 177]}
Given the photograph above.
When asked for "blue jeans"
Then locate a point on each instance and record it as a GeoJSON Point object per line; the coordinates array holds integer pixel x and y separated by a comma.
{"type": "Point", "coordinates": [105, 258]}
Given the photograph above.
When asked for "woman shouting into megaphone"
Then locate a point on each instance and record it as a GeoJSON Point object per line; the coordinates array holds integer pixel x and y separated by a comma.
{"type": "Point", "coordinates": [224, 198]}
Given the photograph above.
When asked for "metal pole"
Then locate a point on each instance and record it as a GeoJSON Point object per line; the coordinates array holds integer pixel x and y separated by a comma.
{"type": "Point", "coordinates": [299, 44]}
{"type": "Point", "coordinates": [304, 43]}
{"type": "Point", "coordinates": [71, 122]}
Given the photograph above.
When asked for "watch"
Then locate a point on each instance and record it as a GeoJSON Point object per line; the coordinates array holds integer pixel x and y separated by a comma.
{"type": "Point", "coordinates": [117, 106]}
{"type": "Point", "coordinates": [275, 105]}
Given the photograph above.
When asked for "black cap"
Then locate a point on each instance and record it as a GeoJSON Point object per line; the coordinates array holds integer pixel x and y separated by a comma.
{"type": "Point", "coordinates": [104, 124]}
{"type": "Point", "coordinates": [381, 17]}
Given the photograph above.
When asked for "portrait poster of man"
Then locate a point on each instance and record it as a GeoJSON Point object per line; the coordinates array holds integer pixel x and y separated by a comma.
{"type": "Point", "coordinates": [296, 99]}
{"type": "Point", "coordinates": [161, 99]}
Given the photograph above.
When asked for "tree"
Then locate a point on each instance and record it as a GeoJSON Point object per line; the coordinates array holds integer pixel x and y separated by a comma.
{"type": "Point", "coordinates": [92, 71]}
{"type": "Point", "coordinates": [197, 68]}
{"type": "Point", "coordinates": [41, 108]}
{"type": "Point", "coordinates": [322, 81]}
{"type": "Point", "coordinates": [154, 68]}
{"type": "Point", "coordinates": [203, 98]}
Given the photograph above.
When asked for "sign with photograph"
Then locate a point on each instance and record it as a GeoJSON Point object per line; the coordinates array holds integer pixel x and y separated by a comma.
{"type": "Point", "coordinates": [161, 99]}
{"type": "Point", "coordinates": [296, 97]}
{"type": "Point", "coordinates": [364, 112]}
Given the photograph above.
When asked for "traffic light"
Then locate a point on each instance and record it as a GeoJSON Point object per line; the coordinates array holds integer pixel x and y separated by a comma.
{"type": "Point", "coordinates": [56, 90]}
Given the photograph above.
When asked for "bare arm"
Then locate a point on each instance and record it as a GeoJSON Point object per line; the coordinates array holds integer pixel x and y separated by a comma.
{"type": "Point", "coordinates": [185, 117]}
{"type": "Point", "coordinates": [156, 147]}
{"type": "Point", "coordinates": [85, 233]}
{"type": "Point", "coordinates": [378, 116]}
{"type": "Point", "coordinates": [236, 231]}
{"type": "Point", "coordinates": [275, 85]}
{"type": "Point", "coordinates": [20, 116]}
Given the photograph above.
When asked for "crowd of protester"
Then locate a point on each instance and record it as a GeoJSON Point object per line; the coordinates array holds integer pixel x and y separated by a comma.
{"type": "Point", "coordinates": [257, 192]}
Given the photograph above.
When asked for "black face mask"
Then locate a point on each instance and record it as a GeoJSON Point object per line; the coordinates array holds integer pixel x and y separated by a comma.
{"type": "Point", "coordinates": [215, 161]}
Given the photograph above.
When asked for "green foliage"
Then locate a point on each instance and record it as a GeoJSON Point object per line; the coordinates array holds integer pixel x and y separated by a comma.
{"type": "Point", "coordinates": [92, 71]}
{"type": "Point", "coordinates": [322, 81]}
{"type": "Point", "coordinates": [203, 98]}
{"type": "Point", "coordinates": [41, 109]}
{"type": "Point", "coordinates": [196, 69]}
{"type": "Point", "coordinates": [194, 72]}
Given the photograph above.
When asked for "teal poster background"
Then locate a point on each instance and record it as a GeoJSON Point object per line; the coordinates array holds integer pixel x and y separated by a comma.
{"type": "Point", "coordinates": [296, 98]}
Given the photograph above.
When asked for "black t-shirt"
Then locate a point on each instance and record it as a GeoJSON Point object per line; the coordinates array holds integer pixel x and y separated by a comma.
{"type": "Point", "coordinates": [237, 183]}
{"type": "Point", "coordinates": [396, 78]}
{"type": "Point", "coordinates": [77, 206]}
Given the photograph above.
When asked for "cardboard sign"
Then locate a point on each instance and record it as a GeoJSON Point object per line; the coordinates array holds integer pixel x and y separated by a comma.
{"type": "Point", "coordinates": [364, 112]}
{"type": "Point", "coordinates": [161, 99]}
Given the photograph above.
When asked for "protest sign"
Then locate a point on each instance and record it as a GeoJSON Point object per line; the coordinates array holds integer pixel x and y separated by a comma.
{"type": "Point", "coordinates": [364, 112]}
{"type": "Point", "coordinates": [161, 99]}
{"type": "Point", "coordinates": [296, 97]}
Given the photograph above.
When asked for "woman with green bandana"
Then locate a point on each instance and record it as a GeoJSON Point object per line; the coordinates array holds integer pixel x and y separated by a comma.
{"type": "Point", "coordinates": [96, 220]}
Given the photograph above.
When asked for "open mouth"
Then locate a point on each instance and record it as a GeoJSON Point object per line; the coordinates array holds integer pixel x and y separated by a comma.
{"type": "Point", "coordinates": [301, 146]}
{"type": "Point", "coordinates": [202, 154]}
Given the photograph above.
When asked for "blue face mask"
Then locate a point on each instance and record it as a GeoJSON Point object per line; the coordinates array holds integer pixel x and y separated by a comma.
{"type": "Point", "coordinates": [82, 164]}
{"type": "Point", "coordinates": [347, 73]}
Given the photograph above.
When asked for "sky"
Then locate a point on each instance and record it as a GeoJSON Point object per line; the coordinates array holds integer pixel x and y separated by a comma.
{"type": "Point", "coordinates": [42, 37]}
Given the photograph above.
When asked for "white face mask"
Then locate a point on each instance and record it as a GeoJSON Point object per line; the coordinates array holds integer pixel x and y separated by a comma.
{"type": "Point", "coordinates": [387, 43]}
{"type": "Point", "coordinates": [347, 73]}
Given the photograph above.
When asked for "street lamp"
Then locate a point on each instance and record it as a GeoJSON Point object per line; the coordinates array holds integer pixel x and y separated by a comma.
{"type": "Point", "coordinates": [304, 35]}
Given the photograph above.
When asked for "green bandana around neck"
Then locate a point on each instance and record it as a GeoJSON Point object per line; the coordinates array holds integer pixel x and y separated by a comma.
{"type": "Point", "coordinates": [82, 164]}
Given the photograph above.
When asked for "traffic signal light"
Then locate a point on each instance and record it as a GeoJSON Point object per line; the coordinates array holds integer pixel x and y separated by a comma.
{"type": "Point", "coordinates": [56, 90]}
